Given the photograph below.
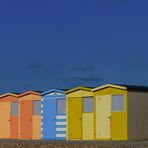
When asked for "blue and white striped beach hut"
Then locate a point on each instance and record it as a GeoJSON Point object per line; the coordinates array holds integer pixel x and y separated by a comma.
{"type": "Point", "coordinates": [53, 114]}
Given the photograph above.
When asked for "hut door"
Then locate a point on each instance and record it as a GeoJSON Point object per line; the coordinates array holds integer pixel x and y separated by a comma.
{"type": "Point", "coordinates": [5, 120]}
{"type": "Point", "coordinates": [49, 119]}
{"type": "Point", "coordinates": [88, 118]}
{"type": "Point", "coordinates": [103, 115]}
{"type": "Point", "coordinates": [26, 119]}
{"type": "Point", "coordinates": [75, 118]}
{"type": "Point", "coordinates": [14, 120]}
{"type": "Point", "coordinates": [61, 119]}
{"type": "Point", "coordinates": [36, 123]}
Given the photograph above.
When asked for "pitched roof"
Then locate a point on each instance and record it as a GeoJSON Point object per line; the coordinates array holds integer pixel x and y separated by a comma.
{"type": "Point", "coordinates": [52, 90]}
{"type": "Point", "coordinates": [29, 92]}
{"type": "Point", "coordinates": [124, 87]}
{"type": "Point", "coordinates": [9, 94]}
{"type": "Point", "coordinates": [78, 88]}
{"type": "Point", "coordinates": [108, 85]}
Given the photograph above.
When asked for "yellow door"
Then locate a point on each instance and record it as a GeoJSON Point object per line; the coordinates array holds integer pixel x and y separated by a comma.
{"type": "Point", "coordinates": [5, 120]}
{"type": "Point", "coordinates": [119, 117]}
{"type": "Point", "coordinates": [75, 118]}
{"type": "Point", "coordinates": [103, 115]}
{"type": "Point", "coordinates": [88, 126]}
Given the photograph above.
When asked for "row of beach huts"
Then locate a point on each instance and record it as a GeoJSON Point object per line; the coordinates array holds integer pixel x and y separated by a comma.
{"type": "Point", "coordinates": [108, 112]}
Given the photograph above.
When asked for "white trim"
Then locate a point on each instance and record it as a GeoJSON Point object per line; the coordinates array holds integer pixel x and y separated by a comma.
{"type": "Point", "coordinates": [61, 135]}
{"type": "Point", "coordinates": [60, 129]}
{"type": "Point", "coordinates": [109, 85]}
{"type": "Point", "coordinates": [52, 98]}
{"type": "Point", "coordinates": [54, 93]}
{"type": "Point", "coordinates": [60, 117]}
{"type": "Point", "coordinates": [60, 123]}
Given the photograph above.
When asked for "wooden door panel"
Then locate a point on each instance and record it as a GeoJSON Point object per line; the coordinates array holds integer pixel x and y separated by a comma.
{"type": "Point", "coordinates": [5, 120]}
{"type": "Point", "coordinates": [26, 108]}
{"type": "Point", "coordinates": [14, 124]}
{"type": "Point", "coordinates": [103, 115]}
{"type": "Point", "coordinates": [75, 118]}
{"type": "Point", "coordinates": [88, 126]}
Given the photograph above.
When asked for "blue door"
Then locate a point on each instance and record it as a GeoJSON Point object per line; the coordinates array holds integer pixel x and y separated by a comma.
{"type": "Point", "coordinates": [49, 119]}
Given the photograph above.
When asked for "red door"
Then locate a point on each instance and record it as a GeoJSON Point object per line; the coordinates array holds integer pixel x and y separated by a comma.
{"type": "Point", "coordinates": [26, 119]}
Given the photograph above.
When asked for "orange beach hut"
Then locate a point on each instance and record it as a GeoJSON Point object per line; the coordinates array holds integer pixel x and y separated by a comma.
{"type": "Point", "coordinates": [9, 122]}
{"type": "Point", "coordinates": [30, 115]}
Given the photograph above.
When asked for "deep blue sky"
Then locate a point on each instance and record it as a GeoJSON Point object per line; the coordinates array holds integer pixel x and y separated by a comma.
{"type": "Point", "coordinates": [62, 43]}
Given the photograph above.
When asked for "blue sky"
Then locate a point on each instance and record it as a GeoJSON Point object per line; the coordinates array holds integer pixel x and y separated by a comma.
{"type": "Point", "coordinates": [62, 44]}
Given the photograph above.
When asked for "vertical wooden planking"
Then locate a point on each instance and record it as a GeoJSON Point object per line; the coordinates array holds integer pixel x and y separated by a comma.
{"type": "Point", "coordinates": [88, 126]}
{"type": "Point", "coordinates": [36, 118]}
{"type": "Point", "coordinates": [14, 119]}
{"type": "Point", "coordinates": [75, 118]}
{"type": "Point", "coordinates": [77, 128]}
{"type": "Point", "coordinates": [49, 118]}
{"type": "Point", "coordinates": [118, 119]}
{"type": "Point", "coordinates": [53, 117]}
{"type": "Point", "coordinates": [36, 127]}
{"type": "Point", "coordinates": [5, 120]}
{"type": "Point", "coordinates": [26, 119]}
{"type": "Point", "coordinates": [14, 131]}
{"type": "Point", "coordinates": [103, 116]}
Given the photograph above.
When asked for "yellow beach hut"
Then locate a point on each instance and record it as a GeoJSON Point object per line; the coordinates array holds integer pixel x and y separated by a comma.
{"type": "Point", "coordinates": [121, 112]}
{"type": "Point", "coordinates": [80, 113]}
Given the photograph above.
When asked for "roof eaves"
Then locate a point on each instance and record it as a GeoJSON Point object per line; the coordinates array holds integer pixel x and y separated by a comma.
{"type": "Point", "coordinates": [29, 92]}
{"type": "Point", "coordinates": [9, 94]}
{"type": "Point", "coordinates": [109, 85]}
{"type": "Point", "coordinates": [77, 88]}
{"type": "Point", "coordinates": [52, 90]}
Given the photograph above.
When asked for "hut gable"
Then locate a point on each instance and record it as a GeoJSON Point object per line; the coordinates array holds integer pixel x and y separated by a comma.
{"type": "Point", "coordinates": [53, 92]}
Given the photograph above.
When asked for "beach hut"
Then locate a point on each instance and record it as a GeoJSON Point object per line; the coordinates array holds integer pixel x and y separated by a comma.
{"type": "Point", "coordinates": [53, 115]}
{"type": "Point", "coordinates": [121, 112]}
{"type": "Point", "coordinates": [30, 115]}
{"type": "Point", "coordinates": [9, 123]}
{"type": "Point", "coordinates": [80, 114]}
